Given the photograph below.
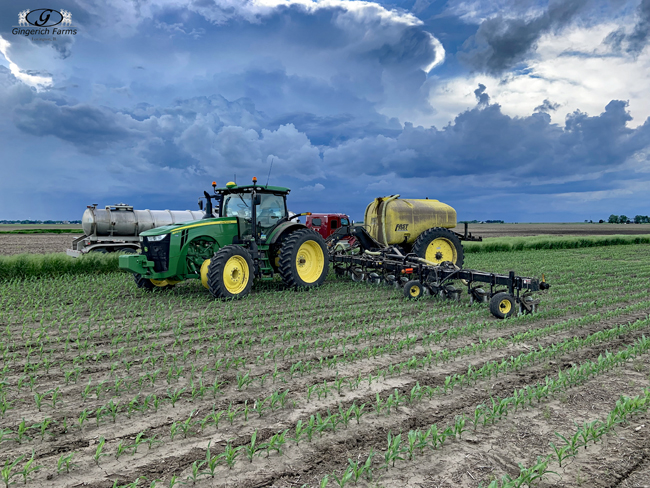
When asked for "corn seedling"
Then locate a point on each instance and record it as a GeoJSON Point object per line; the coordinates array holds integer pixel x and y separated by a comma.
{"type": "Point", "coordinates": [6, 473]}
{"type": "Point", "coordinates": [65, 462]}
{"type": "Point", "coordinates": [28, 468]}
{"type": "Point", "coordinates": [98, 450]}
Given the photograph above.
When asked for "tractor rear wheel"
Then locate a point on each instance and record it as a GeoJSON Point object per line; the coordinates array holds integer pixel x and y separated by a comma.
{"type": "Point", "coordinates": [230, 273]}
{"type": "Point", "coordinates": [304, 261]}
{"type": "Point", "coordinates": [438, 245]}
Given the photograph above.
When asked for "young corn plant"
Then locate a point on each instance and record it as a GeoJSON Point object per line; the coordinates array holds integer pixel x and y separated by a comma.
{"type": "Point", "coordinates": [231, 454]}
{"type": "Point", "coordinates": [29, 468]}
{"type": "Point", "coordinates": [251, 449]}
{"type": "Point", "coordinates": [212, 462]}
{"type": "Point", "coordinates": [65, 463]}
{"type": "Point", "coordinates": [98, 450]}
{"type": "Point", "coordinates": [7, 471]}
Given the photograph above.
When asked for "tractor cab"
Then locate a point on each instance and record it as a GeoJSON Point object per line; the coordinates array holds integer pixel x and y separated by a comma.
{"type": "Point", "coordinates": [266, 204]}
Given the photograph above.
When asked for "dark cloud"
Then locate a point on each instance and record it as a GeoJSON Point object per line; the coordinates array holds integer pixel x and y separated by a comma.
{"type": "Point", "coordinates": [83, 125]}
{"type": "Point", "coordinates": [484, 141]}
{"type": "Point", "coordinates": [501, 41]}
{"type": "Point", "coordinates": [547, 106]}
{"type": "Point", "coordinates": [481, 96]}
{"type": "Point", "coordinates": [635, 41]}
{"type": "Point", "coordinates": [334, 129]}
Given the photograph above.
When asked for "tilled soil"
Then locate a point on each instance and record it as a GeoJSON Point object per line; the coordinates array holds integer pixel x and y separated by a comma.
{"type": "Point", "coordinates": [35, 243]}
{"type": "Point", "coordinates": [108, 363]}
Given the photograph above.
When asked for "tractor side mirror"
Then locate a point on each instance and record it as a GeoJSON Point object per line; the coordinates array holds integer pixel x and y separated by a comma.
{"type": "Point", "coordinates": [257, 200]}
{"type": "Point", "coordinates": [201, 204]}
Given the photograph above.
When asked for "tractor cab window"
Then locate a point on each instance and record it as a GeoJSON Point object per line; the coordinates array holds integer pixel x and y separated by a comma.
{"type": "Point", "coordinates": [317, 222]}
{"type": "Point", "coordinates": [270, 210]}
{"type": "Point", "coordinates": [334, 224]}
{"type": "Point", "coordinates": [238, 205]}
{"type": "Point", "coordinates": [345, 222]}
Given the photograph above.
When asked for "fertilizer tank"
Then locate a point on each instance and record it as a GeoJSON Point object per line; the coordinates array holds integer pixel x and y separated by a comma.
{"type": "Point", "coordinates": [391, 220]}
{"type": "Point", "coordinates": [123, 220]}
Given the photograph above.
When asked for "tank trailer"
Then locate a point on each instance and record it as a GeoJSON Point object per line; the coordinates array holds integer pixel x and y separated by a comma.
{"type": "Point", "coordinates": [116, 227]}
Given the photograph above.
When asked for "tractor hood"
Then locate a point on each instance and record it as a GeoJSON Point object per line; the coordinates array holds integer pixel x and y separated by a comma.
{"type": "Point", "coordinates": [168, 229]}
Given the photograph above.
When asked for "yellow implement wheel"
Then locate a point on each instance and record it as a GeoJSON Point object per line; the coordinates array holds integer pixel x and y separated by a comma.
{"type": "Point", "coordinates": [229, 272]}
{"type": "Point", "coordinates": [438, 245]}
{"type": "Point", "coordinates": [413, 289]}
{"type": "Point", "coordinates": [502, 305]}
{"type": "Point", "coordinates": [440, 250]}
{"type": "Point", "coordinates": [204, 272]}
{"type": "Point", "coordinates": [304, 261]}
{"type": "Point", "coordinates": [310, 261]}
{"type": "Point", "coordinates": [164, 283]}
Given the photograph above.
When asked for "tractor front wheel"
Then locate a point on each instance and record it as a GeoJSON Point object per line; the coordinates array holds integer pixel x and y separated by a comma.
{"type": "Point", "coordinates": [304, 261]}
{"type": "Point", "coordinates": [143, 283]}
{"type": "Point", "coordinates": [230, 273]}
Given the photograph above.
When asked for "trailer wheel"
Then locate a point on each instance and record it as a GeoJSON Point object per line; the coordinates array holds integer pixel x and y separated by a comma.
{"type": "Point", "coordinates": [438, 245]}
{"type": "Point", "coordinates": [230, 272]}
{"type": "Point", "coordinates": [413, 289]}
{"type": "Point", "coordinates": [502, 305]}
{"type": "Point", "coordinates": [304, 260]}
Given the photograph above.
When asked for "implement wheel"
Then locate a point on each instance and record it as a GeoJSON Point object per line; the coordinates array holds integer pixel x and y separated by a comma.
{"type": "Point", "coordinates": [230, 273]}
{"type": "Point", "coordinates": [438, 245]}
{"type": "Point", "coordinates": [143, 283]}
{"type": "Point", "coordinates": [502, 305]}
{"type": "Point", "coordinates": [304, 261]}
{"type": "Point", "coordinates": [413, 289]}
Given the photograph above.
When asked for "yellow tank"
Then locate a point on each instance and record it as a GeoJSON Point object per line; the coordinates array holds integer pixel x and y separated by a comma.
{"type": "Point", "coordinates": [391, 220]}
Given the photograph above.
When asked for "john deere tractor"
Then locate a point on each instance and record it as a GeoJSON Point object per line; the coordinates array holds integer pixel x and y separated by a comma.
{"type": "Point", "coordinates": [251, 237]}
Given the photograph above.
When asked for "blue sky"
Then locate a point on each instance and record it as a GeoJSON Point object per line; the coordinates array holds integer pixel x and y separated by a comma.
{"type": "Point", "coordinates": [505, 109]}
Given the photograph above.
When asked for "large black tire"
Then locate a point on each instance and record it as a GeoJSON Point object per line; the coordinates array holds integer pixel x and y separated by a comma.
{"type": "Point", "coordinates": [230, 273]}
{"type": "Point", "coordinates": [502, 305]}
{"type": "Point", "coordinates": [304, 261]}
{"type": "Point", "coordinates": [438, 245]}
{"type": "Point", "coordinates": [143, 283]}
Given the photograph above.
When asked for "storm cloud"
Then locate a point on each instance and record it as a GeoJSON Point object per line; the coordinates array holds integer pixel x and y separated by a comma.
{"type": "Point", "coordinates": [347, 100]}
{"type": "Point", "coordinates": [502, 41]}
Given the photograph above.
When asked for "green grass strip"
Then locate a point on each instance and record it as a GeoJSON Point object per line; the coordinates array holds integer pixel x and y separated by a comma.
{"type": "Point", "coordinates": [544, 242]}
{"type": "Point", "coordinates": [25, 266]}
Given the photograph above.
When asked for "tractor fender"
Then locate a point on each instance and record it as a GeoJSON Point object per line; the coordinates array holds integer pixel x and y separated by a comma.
{"type": "Point", "coordinates": [284, 229]}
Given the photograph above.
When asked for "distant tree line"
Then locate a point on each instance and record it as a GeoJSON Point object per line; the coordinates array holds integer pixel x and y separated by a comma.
{"type": "Point", "coordinates": [481, 222]}
{"type": "Point", "coordinates": [40, 221]}
{"type": "Point", "coordinates": [624, 219]}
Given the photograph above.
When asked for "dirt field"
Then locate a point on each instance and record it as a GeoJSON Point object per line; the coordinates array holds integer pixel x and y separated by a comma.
{"type": "Point", "coordinates": [47, 243]}
{"type": "Point", "coordinates": [122, 384]}
{"type": "Point", "coordinates": [35, 243]}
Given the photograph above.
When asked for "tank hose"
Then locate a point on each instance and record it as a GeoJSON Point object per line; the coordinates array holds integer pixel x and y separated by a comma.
{"type": "Point", "coordinates": [383, 216]}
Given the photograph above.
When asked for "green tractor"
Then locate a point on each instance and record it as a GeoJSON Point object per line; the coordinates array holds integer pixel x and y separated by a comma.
{"type": "Point", "coordinates": [252, 237]}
